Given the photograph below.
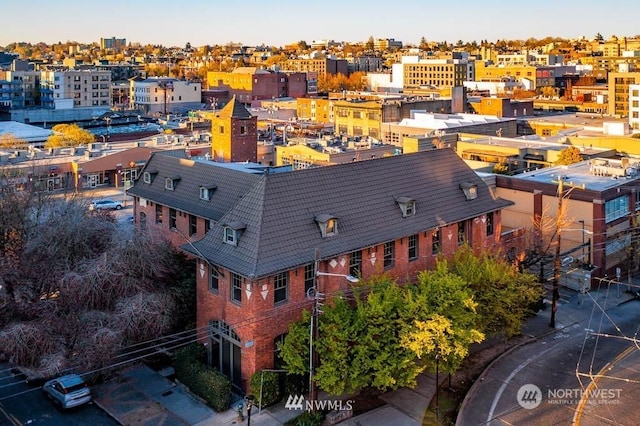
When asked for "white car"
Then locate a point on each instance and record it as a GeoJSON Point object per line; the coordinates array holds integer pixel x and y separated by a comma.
{"type": "Point", "coordinates": [106, 204]}
{"type": "Point", "coordinates": [67, 391]}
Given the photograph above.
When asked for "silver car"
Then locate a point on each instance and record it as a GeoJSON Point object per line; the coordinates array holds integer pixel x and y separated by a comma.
{"type": "Point", "coordinates": [67, 391]}
{"type": "Point", "coordinates": [106, 204]}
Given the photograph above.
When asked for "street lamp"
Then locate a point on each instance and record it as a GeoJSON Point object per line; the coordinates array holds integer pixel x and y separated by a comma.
{"type": "Point", "coordinates": [313, 332]}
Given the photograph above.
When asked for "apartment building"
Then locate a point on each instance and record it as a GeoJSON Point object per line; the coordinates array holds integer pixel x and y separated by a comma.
{"type": "Point", "coordinates": [321, 66]}
{"type": "Point", "coordinates": [259, 234]}
{"type": "Point", "coordinates": [162, 95]}
{"type": "Point", "coordinates": [619, 90]}
{"type": "Point", "coordinates": [318, 110]}
{"type": "Point", "coordinates": [634, 106]}
{"type": "Point", "coordinates": [19, 89]}
{"type": "Point", "coordinates": [439, 73]}
{"type": "Point", "coordinates": [387, 44]}
{"type": "Point", "coordinates": [63, 89]}
{"type": "Point", "coordinates": [251, 84]}
{"type": "Point", "coordinates": [112, 43]}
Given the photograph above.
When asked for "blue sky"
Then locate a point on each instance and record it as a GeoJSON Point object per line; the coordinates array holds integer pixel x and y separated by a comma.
{"type": "Point", "coordinates": [252, 22]}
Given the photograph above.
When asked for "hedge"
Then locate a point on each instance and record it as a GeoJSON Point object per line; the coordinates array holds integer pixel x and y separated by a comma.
{"type": "Point", "coordinates": [209, 384]}
{"type": "Point", "coordinates": [270, 388]}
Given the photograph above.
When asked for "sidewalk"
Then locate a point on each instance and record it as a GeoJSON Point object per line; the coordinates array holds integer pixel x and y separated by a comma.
{"type": "Point", "coordinates": [142, 396]}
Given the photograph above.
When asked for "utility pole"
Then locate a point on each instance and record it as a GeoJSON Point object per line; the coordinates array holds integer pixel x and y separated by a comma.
{"type": "Point", "coordinates": [556, 261]}
{"type": "Point", "coordinates": [313, 333]}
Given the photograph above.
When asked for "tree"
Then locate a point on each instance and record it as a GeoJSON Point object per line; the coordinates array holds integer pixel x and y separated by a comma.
{"type": "Point", "coordinates": [424, 44]}
{"type": "Point", "coordinates": [368, 339]}
{"type": "Point", "coordinates": [68, 135]}
{"type": "Point", "coordinates": [77, 290]}
{"type": "Point", "coordinates": [370, 44]}
{"type": "Point", "coordinates": [569, 155]}
{"type": "Point", "coordinates": [11, 141]}
{"type": "Point", "coordinates": [443, 319]}
{"type": "Point", "coordinates": [505, 296]}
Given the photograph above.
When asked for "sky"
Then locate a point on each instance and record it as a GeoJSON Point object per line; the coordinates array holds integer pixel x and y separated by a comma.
{"type": "Point", "coordinates": [280, 22]}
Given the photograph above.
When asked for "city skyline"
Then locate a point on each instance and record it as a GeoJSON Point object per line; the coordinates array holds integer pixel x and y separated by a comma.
{"type": "Point", "coordinates": [256, 23]}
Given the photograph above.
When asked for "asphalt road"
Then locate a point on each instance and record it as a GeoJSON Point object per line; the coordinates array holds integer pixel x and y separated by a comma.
{"type": "Point", "coordinates": [562, 366]}
{"type": "Point", "coordinates": [23, 404]}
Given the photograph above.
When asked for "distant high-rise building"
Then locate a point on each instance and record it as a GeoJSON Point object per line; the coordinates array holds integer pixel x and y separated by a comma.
{"type": "Point", "coordinates": [112, 43]}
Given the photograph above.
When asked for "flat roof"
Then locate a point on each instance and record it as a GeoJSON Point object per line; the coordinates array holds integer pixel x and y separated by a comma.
{"type": "Point", "coordinates": [577, 119]}
{"type": "Point", "coordinates": [528, 142]}
{"type": "Point", "coordinates": [25, 131]}
{"type": "Point", "coordinates": [581, 175]}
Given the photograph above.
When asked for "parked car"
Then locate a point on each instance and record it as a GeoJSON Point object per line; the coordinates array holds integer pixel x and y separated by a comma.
{"type": "Point", "coordinates": [67, 391]}
{"type": "Point", "coordinates": [106, 204]}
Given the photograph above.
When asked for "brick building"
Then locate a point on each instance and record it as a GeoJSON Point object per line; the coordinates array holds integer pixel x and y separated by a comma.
{"type": "Point", "coordinates": [263, 234]}
{"type": "Point", "coordinates": [234, 133]}
{"type": "Point", "coordinates": [250, 84]}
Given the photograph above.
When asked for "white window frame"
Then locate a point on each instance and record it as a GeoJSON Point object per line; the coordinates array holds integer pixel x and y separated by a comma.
{"type": "Point", "coordinates": [169, 184]}
{"type": "Point", "coordinates": [230, 236]}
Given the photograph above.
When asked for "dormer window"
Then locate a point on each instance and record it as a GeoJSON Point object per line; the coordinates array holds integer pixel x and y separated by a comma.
{"type": "Point", "coordinates": [470, 190]}
{"type": "Point", "coordinates": [148, 176]}
{"type": "Point", "coordinates": [206, 192]}
{"type": "Point", "coordinates": [171, 182]}
{"type": "Point", "coordinates": [232, 231]}
{"type": "Point", "coordinates": [328, 225]}
{"type": "Point", "coordinates": [407, 206]}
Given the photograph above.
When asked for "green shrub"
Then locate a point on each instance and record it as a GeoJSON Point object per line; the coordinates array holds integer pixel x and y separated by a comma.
{"type": "Point", "coordinates": [307, 419]}
{"type": "Point", "coordinates": [210, 385]}
{"type": "Point", "coordinates": [270, 388]}
{"type": "Point", "coordinates": [295, 384]}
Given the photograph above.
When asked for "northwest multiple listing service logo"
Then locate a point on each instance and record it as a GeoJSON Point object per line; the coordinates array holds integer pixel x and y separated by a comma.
{"type": "Point", "coordinates": [297, 402]}
{"type": "Point", "coordinates": [530, 396]}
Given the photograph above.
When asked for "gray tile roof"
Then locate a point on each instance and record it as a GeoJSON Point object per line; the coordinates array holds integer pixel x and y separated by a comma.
{"type": "Point", "coordinates": [230, 184]}
{"type": "Point", "coordinates": [280, 210]}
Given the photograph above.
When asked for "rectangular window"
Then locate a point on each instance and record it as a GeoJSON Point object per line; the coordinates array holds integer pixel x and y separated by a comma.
{"type": "Point", "coordinates": [436, 241]}
{"type": "Point", "coordinates": [489, 223]}
{"type": "Point", "coordinates": [214, 277]}
{"type": "Point", "coordinates": [616, 208]}
{"type": "Point", "coordinates": [236, 287]}
{"type": "Point", "coordinates": [193, 225]}
{"type": "Point", "coordinates": [204, 193]}
{"type": "Point", "coordinates": [389, 254]}
{"type": "Point", "coordinates": [413, 247]}
{"type": "Point", "coordinates": [280, 287]}
{"type": "Point", "coordinates": [243, 130]}
{"type": "Point", "coordinates": [355, 263]}
{"type": "Point", "coordinates": [172, 218]}
{"type": "Point", "coordinates": [230, 236]}
{"type": "Point", "coordinates": [309, 277]}
{"type": "Point", "coordinates": [462, 233]}
{"type": "Point", "coordinates": [158, 213]}
{"type": "Point", "coordinates": [221, 129]}
{"type": "Point", "coordinates": [207, 225]}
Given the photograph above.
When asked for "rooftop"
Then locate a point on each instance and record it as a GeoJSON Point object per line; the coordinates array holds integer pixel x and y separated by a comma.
{"type": "Point", "coordinates": [596, 174]}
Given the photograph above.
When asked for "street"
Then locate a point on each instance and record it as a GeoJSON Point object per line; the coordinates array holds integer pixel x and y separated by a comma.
{"type": "Point", "coordinates": [545, 381]}
{"type": "Point", "coordinates": [22, 404]}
